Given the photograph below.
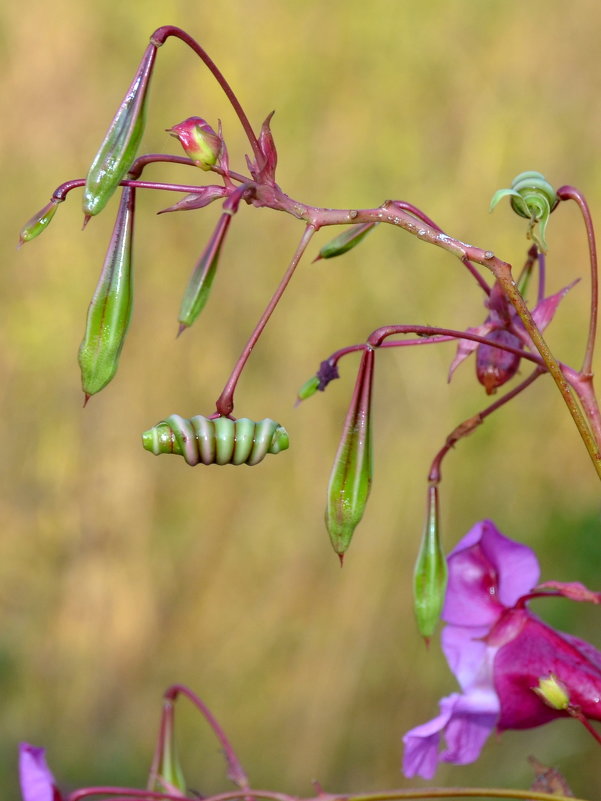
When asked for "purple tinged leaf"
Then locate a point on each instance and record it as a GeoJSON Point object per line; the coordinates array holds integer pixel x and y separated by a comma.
{"type": "Point", "coordinates": [467, 346]}
{"type": "Point", "coordinates": [545, 310]}
{"type": "Point", "coordinates": [197, 200]}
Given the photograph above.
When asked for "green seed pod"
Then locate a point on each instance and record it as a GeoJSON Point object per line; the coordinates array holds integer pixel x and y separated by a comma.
{"type": "Point", "coordinates": [430, 576]}
{"type": "Point", "coordinates": [120, 145]}
{"type": "Point", "coordinates": [202, 440]}
{"type": "Point", "coordinates": [200, 283]}
{"type": "Point", "coordinates": [38, 223]}
{"type": "Point", "coordinates": [345, 241]}
{"type": "Point", "coordinates": [110, 309]}
{"type": "Point", "coordinates": [308, 389]}
{"type": "Point", "coordinates": [532, 197]}
{"type": "Point", "coordinates": [351, 476]}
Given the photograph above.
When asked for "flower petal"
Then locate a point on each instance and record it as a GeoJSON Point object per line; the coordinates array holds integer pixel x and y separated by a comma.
{"type": "Point", "coordinates": [467, 346]}
{"type": "Point", "coordinates": [540, 652]}
{"type": "Point", "coordinates": [420, 757]}
{"type": "Point", "coordinates": [37, 781]}
{"type": "Point", "coordinates": [487, 572]}
{"type": "Point", "coordinates": [469, 657]}
{"type": "Point", "coordinates": [466, 722]}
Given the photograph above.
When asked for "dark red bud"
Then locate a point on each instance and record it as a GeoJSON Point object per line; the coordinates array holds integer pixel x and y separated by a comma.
{"type": "Point", "coordinates": [494, 367]}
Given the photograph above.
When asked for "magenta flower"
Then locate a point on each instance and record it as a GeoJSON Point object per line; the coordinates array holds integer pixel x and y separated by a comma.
{"type": "Point", "coordinates": [37, 781]}
{"type": "Point", "coordinates": [500, 653]}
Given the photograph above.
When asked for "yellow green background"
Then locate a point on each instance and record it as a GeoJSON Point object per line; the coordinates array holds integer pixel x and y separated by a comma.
{"type": "Point", "coordinates": [121, 573]}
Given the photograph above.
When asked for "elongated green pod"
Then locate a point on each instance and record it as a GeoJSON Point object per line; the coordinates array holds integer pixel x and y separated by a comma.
{"type": "Point", "coordinates": [351, 476]}
{"type": "Point", "coordinates": [430, 575]}
{"type": "Point", "coordinates": [220, 440]}
{"type": "Point", "coordinates": [110, 309]}
{"type": "Point", "coordinates": [345, 241]}
{"type": "Point", "coordinates": [199, 286]}
{"type": "Point", "coordinates": [533, 198]}
{"type": "Point", "coordinates": [120, 144]}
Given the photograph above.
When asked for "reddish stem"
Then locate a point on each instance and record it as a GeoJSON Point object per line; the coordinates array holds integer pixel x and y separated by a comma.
{"type": "Point", "coordinates": [162, 34]}
{"type": "Point", "coordinates": [576, 713]}
{"type": "Point", "coordinates": [571, 193]}
{"type": "Point", "coordinates": [235, 770]}
{"type": "Point", "coordinates": [467, 426]}
{"type": "Point", "coordinates": [225, 402]}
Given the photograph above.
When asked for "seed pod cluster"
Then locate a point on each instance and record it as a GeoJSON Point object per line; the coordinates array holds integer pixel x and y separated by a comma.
{"type": "Point", "coordinates": [202, 440]}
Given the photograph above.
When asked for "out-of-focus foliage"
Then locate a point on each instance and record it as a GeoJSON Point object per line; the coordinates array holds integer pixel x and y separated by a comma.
{"type": "Point", "coordinates": [120, 573]}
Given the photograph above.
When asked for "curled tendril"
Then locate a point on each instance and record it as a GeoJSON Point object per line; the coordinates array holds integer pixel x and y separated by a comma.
{"type": "Point", "coordinates": [202, 440]}
{"type": "Point", "coordinates": [532, 197]}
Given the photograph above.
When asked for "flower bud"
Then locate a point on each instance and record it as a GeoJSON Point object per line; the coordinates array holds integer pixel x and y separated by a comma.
{"type": "Point", "coordinates": [494, 367]}
{"type": "Point", "coordinates": [38, 223]}
{"type": "Point", "coordinates": [351, 476]}
{"type": "Point", "coordinates": [120, 145]}
{"type": "Point", "coordinates": [430, 575]}
{"type": "Point", "coordinates": [199, 141]}
{"type": "Point", "coordinates": [110, 309]}
{"type": "Point", "coordinates": [345, 241]}
{"type": "Point", "coordinates": [552, 692]}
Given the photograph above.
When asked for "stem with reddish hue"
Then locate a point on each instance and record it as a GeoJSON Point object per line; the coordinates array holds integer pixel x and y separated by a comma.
{"type": "Point", "coordinates": [158, 38]}
{"type": "Point", "coordinates": [571, 193]}
{"type": "Point", "coordinates": [467, 426]}
{"type": "Point", "coordinates": [402, 204]}
{"type": "Point", "coordinates": [576, 713]}
{"type": "Point", "coordinates": [502, 273]}
{"type": "Point", "coordinates": [225, 402]}
{"type": "Point", "coordinates": [424, 794]}
{"type": "Point", "coordinates": [235, 770]}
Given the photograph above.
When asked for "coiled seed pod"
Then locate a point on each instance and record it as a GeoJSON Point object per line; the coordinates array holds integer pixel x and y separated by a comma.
{"type": "Point", "coordinates": [532, 197]}
{"type": "Point", "coordinates": [218, 441]}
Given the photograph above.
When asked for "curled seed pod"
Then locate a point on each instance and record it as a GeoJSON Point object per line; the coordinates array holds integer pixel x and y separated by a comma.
{"type": "Point", "coordinates": [345, 241]}
{"type": "Point", "coordinates": [202, 440]}
{"type": "Point", "coordinates": [532, 197]}
{"type": "Point", "coordinates": [495, 367]}
{"type": "Point", "coordinates": [110, 308]}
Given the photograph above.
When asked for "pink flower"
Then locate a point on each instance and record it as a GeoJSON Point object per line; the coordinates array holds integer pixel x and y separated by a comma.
{"type": "Point", "coordinates": [37, 781]}
{"type": "Point", "coordinates": [500, 652]}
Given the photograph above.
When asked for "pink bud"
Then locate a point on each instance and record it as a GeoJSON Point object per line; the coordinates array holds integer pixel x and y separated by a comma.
{"type": "Point", "coordinates": [199, 140]}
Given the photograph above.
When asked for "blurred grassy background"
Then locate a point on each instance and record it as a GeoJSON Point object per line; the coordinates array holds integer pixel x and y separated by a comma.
{"type": "Point", "coordinates": [121, 573]}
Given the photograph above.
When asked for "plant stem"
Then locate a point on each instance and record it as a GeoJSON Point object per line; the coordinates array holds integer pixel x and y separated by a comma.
{"type": "Point", "coordinates": [225, 402]}
{"type": "Point", "coordinates": [576, 712]}
{"type": "Point", "coordinates": [571, 193]}
{"type": "Point", "coordinates": [467, 426]}
{"type": "Point", "coordinates": [235, 770]}
{"type": "Point", "coordinates": [159, 37]}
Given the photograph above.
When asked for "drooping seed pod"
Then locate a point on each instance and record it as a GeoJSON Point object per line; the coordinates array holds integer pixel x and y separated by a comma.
{"type": "Point", "coordinates": [38, 223]}
{"type": "Point", "coordinates": [110, 309]}
{"type": "Point", "coordinates": [121, 142]}
{"type": "Point", "coordinates": [202, 440]}
{"type": "Point", "coordinates": [345, 241]}
{"type": "Point", "coordinates": [532, 197]}
{"type": "Point", "coordinates": [199, 286]}
{"type": "Point", "coordinates": [430, 574]}
{"type": "Point", "coordinates": [350, 481]}
{"type": "Point", "coordinates": [495, 367]}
